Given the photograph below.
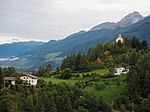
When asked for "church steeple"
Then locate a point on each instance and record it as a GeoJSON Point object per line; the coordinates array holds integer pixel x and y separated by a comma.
{"type": "Point", "coordinates": [119, 39]}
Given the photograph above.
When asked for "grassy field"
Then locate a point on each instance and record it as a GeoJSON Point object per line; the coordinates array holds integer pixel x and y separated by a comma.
{"type": "Point", "coordinates": [73, 81]}
{"type": "Point", "coordinates": [109, 93]}
{"type": "Point", "coordinates": [54, 80]}
{"type": "Point", "coordinates": [101, 72]}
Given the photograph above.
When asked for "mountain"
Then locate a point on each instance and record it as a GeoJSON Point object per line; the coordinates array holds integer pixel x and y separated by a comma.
{"type": "Point", "coordinates": [17, 48]}
{"type": "Point", "coordinates": [54, 51]}
{"type": "Point", "coordinates": [130, 19]}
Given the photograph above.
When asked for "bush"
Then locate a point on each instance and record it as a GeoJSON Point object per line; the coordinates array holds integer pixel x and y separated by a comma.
{"type": "Point", "coordinates": [99, 86]}
{"type": "Point", "coordinates": [106, 82]}
{"type": "Point", "coordinates": [66, 73]}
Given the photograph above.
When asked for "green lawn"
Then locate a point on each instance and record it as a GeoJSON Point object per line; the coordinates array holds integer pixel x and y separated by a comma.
{"type": "Point", "coordinates": [54, 80]}
{"type": "Point", "coordinates": [109, 93]}
{"type": "Point", "coordinates": [101, 71]}
{"type": "Point", "coordinates": [73, 81]}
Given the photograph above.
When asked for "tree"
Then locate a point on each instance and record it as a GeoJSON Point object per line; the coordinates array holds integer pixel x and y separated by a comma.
{"type": "Point", "coordinates": [1, 78]}
{"type": "Point", "coordinates": [9, 71]}
{"type": "Point", "coordinates": [81, 62]}
{"type": "Point", "coordinates": [123, 108]}
{"type": "Point", "coordinates": [133, 58]}
{"type": "Point", "coordinates": [127, 42]}
{"type": "Point", "coordinates": [7, 101]}
{"type": "Point", "coordinates": [138, 78]}
{"type": "Point", "coordinates": [78, 61]}
{"type": "Point", "coordinates": [66, 73]}
{"type": "Point", "coordinates": [69, 62]}
{"type": "Point", "coordinates": [144, 45]}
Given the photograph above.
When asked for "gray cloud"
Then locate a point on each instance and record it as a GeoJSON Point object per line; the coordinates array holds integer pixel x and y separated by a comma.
{"type": "Point", "coordinates": [54, 19]}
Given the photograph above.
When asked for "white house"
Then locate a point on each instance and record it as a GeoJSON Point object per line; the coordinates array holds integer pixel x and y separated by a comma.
{"type": "Point", "coordinates": [30, 79]}
{"type": "Point", "coordinates": [10, 80]}
{"type": "Point", "coordinates": [121, 70]}
{"type": "Point", "coordinates": [119, 39]}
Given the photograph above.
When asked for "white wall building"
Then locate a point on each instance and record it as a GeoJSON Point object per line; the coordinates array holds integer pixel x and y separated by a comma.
{"type": "Point", "coordinates": [10, 80]}
{"type": "Point", "coordinates": [121, 70]}
{"type": "Point", "coordinates": [119, 39]}
{"type": "Point", "coordinates": [30, 79]}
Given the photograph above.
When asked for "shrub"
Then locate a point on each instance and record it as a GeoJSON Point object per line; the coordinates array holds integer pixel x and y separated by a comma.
{"type": "Point", "coordinates": [66, 73]}
{"type": "Point", "coordinates": [99, 86]}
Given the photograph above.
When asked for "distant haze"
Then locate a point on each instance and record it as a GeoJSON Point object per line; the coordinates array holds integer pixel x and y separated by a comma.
{"type": "Point", "coordinates": [56, 19]}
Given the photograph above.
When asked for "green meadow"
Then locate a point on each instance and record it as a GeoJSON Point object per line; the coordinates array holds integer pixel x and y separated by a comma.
{"type": "Point", "coordinates": [109, 93]}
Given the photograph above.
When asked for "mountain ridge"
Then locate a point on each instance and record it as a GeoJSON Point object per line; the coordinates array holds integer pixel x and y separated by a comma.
{"type": "Point", "coordinates": [54, 51]}
{"type": "Point", "coordinates": [9, 50]}
{"type": "Point", "coordinates": [129, 19]}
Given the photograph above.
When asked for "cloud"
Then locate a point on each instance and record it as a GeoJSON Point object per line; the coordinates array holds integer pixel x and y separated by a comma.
{"type": "Point", "coordinates": [54, 19]}
{"type": "Point", "coordinates": [9, 38]}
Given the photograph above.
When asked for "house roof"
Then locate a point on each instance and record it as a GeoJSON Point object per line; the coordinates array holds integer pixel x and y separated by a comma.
{"type": "Point", "coordinates": [10, 78]}
{"type": "Point", "coordinates": [29, 75]}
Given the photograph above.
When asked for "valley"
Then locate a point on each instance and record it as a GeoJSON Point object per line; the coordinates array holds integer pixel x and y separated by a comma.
{"type": "Point", "coordinates": [103, 69]}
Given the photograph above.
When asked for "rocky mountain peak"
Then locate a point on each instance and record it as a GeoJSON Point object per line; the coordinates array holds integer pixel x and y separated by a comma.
{"type": "Point", "coordinates": [129, 19]}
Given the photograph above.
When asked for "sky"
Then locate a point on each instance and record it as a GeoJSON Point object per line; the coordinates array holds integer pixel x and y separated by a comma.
{"type": "Point", "coordinates": [56, 19]}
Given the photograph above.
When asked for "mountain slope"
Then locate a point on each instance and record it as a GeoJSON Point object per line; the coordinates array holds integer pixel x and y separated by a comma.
{"type": "Point", "coordinates": [17, 48]}
{"type": "Point", "coordinates": [130, 19]}
{"type": "Point", "coordinates": [54, 51]}
{"type": "Point", "coordinates": [83, 41]}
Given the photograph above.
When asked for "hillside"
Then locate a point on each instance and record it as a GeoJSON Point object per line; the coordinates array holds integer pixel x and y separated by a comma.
{"type": "Point", "coordinates": [17, 48]}
{"type": "Point", "coordinates": [54, 51]}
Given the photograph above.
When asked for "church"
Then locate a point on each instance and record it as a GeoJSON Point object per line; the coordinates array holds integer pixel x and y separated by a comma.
{"type": "Point", "coordinates": [119, 39]}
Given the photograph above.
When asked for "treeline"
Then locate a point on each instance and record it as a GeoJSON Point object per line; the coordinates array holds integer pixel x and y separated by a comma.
{"type": "Point", "coordinates": [43, 71]}
{"type": "Point", "coordinates": [75, 62]}
{"type": "Point", "coordinates": [46, 71]}
{"type": "Point", "coordinates": [59, 97]}
{"type": "Point", "coordinates": [105, 55]}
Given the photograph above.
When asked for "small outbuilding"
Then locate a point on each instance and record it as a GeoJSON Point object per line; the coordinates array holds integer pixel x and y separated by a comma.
{"type": "Point", "coordinates": [10, 80]}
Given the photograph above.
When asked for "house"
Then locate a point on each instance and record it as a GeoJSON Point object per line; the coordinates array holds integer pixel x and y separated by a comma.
{"type": "Point", "coordinates": [10, 80]}
{"type": "Point", "coordinates": [119, 39]}
{"type": "Point", "coordinates": [121, 70]}
{"type": "Point", "coordinates": [30, 79]}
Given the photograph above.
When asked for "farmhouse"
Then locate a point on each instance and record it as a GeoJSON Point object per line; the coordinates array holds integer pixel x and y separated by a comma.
{"type": "Point", "coordinates": [10, 80]}
{"type": "Point", "coordinates": [121, 70]}
{"type": "Point", "coordinates": [30, 79]}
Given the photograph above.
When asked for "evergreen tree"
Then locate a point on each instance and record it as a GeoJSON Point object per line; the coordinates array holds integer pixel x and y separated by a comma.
{"type": "Point", "coordinates": [66, 73]}
{"type": "Point", "coordinates": [1, 78]}
{"type": "Point", "coordinates": [144, 45]}
{"type": "Point", "coordinates": [138, 78]}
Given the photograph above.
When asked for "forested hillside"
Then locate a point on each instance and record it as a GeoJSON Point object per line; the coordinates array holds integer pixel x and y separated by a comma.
{"type": "Point", "coordinates": [85, 83]}
{"type": "Point", "coordinates": [54, 51]}
{"type": "Point", "coordinates": [106, 55]}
